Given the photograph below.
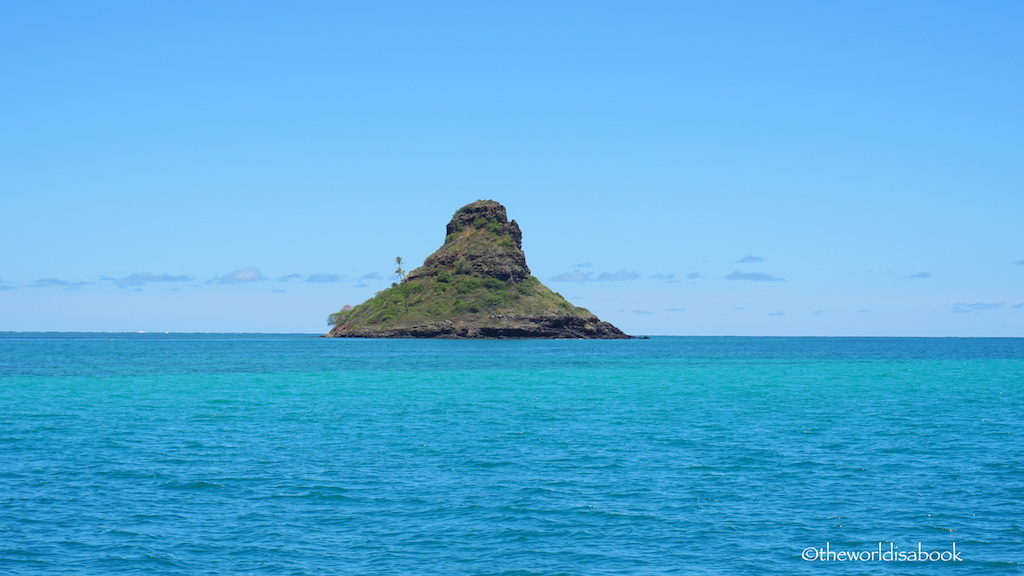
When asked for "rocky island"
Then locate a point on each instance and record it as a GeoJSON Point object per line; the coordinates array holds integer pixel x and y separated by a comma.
{"type": "Point", "coordinates": [477, 285]}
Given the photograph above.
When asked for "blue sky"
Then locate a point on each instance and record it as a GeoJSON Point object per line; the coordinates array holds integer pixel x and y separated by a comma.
{"type": "Point", "coordinates": [748, 168]}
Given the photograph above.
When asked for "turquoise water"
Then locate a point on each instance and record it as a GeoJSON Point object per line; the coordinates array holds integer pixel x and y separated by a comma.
{"type": "Point", "coordinates": [257, 454]}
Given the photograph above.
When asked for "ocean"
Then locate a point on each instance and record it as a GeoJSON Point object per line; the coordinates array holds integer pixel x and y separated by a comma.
{"type": "Point", "coordinates": [292, 454]}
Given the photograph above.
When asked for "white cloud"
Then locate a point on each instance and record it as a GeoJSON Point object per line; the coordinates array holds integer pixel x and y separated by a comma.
{"type": "Point", "coordinates": [57, 283]}
{"type": "Point", "coordinates": [324, 277]}
{"type": "Point", "coordinates": [968, 307]}
{"type": "Point", "coordinates": [241, 276]}
{"type": "Point", "coordinates": [574, 276]}
{"type": "Point", "coordinates": [753, 277]}
{"type": "Point", "coordinates": [581, 276]}
{"type": "Point", "coordinates": [617, 276]}
{"type": "Point", "coordinates": [141, 278]}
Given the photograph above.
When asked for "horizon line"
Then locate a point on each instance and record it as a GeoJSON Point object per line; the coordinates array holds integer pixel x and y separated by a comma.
{"type": "Point", "coordinates": [318, 334]}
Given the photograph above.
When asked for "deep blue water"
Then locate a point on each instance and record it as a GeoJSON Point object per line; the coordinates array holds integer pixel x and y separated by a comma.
{"type": "Point", "coordinates": [265, 454]}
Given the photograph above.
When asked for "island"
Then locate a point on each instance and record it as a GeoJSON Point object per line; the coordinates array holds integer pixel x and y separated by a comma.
{"type": "Point", "coordinates": [477, 285]}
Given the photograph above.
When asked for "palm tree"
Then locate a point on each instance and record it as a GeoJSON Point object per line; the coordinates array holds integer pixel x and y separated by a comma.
{"type": "Point", "coordinates": [398, 268]}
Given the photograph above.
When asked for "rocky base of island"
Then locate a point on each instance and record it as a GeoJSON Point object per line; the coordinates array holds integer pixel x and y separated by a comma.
{"type": "Point", "coordinates": [494, 326]}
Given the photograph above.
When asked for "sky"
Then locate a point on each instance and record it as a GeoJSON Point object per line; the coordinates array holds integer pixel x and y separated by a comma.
{"type": "Point", "coordinates": [678, 168]}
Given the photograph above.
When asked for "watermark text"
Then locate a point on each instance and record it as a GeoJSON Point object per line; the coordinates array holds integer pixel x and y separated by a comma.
{"type": "Point", "coordinates": [884, 552]}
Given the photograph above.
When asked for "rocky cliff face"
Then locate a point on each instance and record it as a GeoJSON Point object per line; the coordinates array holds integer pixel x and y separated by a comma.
{"type": "Point", "coordinates": [477, 285]}
{"type": "Point", "coordinates": [479, 241]}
